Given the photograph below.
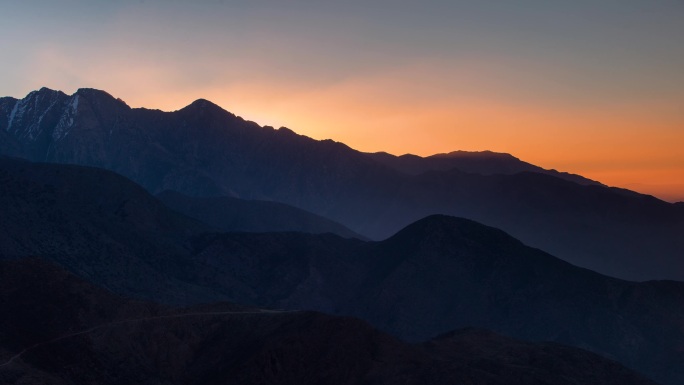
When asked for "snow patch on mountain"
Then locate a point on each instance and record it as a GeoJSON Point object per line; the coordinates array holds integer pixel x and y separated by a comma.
{"type": "Point", "coordinates": [12, 115]}
{"type": "Point", "coordinates": [33, 129]}
{"type": "Point", "coordinates": [67, 120]}
{"type": "Point", "coordinates": [74, 104]}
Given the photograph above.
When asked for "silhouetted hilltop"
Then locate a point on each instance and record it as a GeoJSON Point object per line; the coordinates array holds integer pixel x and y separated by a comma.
{"type": "Point", "coordinates": [443, 272]}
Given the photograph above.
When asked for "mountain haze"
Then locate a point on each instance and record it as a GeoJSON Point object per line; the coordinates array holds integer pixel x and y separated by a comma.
{"type": "Point", "coordinates": [444, 272]}
{"type": "Point", "coordinates": [437, 274]}
{"type": "Point", "coordinates": [482, 162]}
{"type": "Point", "coordinates": [202, 150]}
{"type": "Point", "coordinates": [233, 214]}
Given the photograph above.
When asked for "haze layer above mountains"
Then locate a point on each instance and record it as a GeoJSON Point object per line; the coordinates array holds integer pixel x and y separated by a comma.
{"type": "Point", "coordinates": [204, 151]}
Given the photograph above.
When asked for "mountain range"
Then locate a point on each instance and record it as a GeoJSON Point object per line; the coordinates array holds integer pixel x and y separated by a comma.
{"type": "Point", "coordinates": [438, 274]}
{"type": "Point", "coordinates": [474, 162]}
{"type": "Point", "coordinates": [145, 246]}
{"type": "Point", "coordinates": [96, 337]}
{"type": "Point", "coordinates": [205, 151]}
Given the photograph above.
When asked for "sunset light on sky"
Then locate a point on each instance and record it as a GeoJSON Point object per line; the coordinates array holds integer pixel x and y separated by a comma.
{"type": "Point", "coordinates": [588, 87]}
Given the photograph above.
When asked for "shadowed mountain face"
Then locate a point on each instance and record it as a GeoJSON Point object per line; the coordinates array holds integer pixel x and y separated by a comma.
{"type": "Point", "coordinates": [438, 274]}
{"type": "Point", "coordinates": [98, 224]}
{"type": "Point", "coordinates": [233, 214]}
{"type": "Point", "coordinates": [58, 329]}
{"type": "Point", "coordinates": [203, 150]}
{"type": "Point", "coordinates": [444, 272]}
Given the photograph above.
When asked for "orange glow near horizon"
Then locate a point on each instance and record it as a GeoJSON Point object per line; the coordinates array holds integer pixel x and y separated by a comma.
{"type": "Point", "coordinates": [607, 145]}
{"type": "Point", "coordinates": [573, 86]}
{"type": "Point", "coordinates": [635, 144]}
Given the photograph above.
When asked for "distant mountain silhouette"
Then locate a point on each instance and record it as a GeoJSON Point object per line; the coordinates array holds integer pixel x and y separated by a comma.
{"type": "Point", "coordinates": [233, 214]}
{"type": "Point", "coordinates": [482, 162]}
{"type": "Point", "coordinates": [58, 329]}
{"type": "Point", "coordinates": [436, 275]}
{"type": "Point", "coordinates": [202, 150]}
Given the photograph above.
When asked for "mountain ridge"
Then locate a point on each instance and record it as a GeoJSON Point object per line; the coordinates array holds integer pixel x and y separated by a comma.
{"type": "Point", "coordinates": [99, 338]}
{"type": "Point", "coordinates": [443, 272]}
{"type": "Point", "coordinates": [478, 162]}
{"type": "Point", "coordinates": [435, 275]}
{"type": "Point", "coordinates": [207, 151]}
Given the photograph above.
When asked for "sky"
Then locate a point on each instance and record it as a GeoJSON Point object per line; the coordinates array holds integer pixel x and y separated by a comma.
{"type": "Point", "coordinates": [594, 87]}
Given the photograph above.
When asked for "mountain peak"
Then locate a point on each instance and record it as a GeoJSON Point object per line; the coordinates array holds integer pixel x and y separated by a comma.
{"type": "Point", "coordinates": [442, 221]}
{"type": "Point", "coordinates": [287, 131]}
{"type": "Point", "coordinates": [99, 96]}
{"type": "Point", "coordinates": [92, 93]}
{"type": "Point", "coordinates": [44, 92]}
{"type": "Point", "coordinates": [204, 104]}
{"type": "Point", "coordinates": [202, 101]}
{"type": "Point", "coordinates": [475, 155]}
{"type": "Point", "coordinates": [445, 227]}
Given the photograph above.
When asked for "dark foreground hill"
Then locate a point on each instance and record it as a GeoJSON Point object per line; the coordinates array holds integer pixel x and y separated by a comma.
{"type": "Point", "coordinates": [234, 214]}
{"type": "Point", "coordinates": [98, 224]}
{"type": "Point", "coordinates": [58, 329]}
{"type": "Point", "coordinates": [436, 275]}
{"type": "Point", "coordinates": [202, 150]}
{"type": "Point", "coordinates": [444, 272]}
